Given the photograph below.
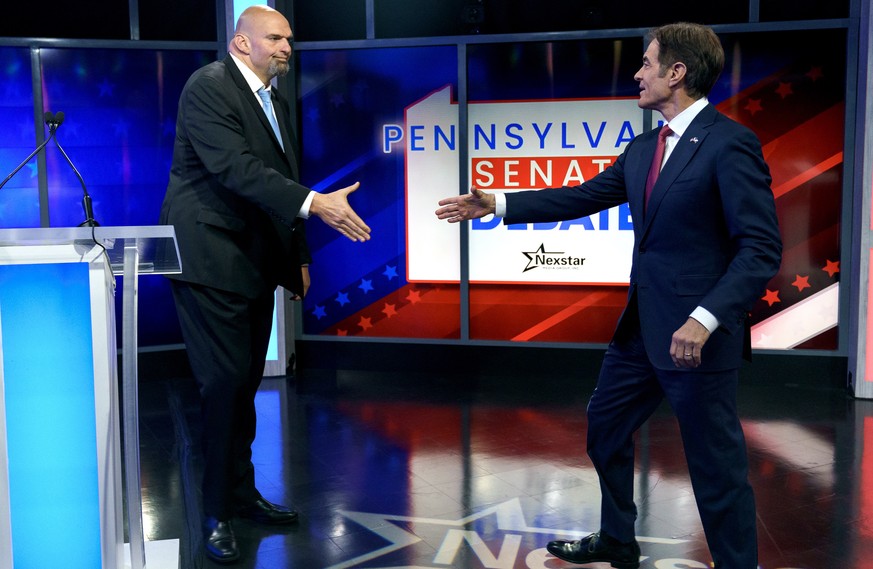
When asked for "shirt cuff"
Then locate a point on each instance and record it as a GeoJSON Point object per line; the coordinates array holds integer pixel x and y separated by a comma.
{"type": "Point", "coordinates": [706, 318]}
{"type": "Point", "coordinates": [307, 203]}
{"type": "Point", "coordinates": [499, 204]}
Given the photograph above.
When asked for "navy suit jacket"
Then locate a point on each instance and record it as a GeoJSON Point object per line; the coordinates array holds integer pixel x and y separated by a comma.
{"type": "Point", "coordinates": [233, 196]}
{"type": "Point", "coordinates": [709, 236]}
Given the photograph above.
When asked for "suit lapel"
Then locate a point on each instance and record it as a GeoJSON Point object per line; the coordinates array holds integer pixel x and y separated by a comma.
{"type": "Point", "coordinates": [692, 139]}
{"type": "Point", "coordinates": [282, 114]}
{"type": "Point", "coordinates": [250, 99]}
{"type": "Point", "coordinates": [637, 173]}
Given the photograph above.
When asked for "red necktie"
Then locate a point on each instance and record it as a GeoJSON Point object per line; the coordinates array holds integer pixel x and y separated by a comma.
{"type": "Point", "coordinates": [655, 168]}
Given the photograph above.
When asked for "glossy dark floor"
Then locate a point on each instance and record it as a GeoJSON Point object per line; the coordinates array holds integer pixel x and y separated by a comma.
{"type": "Point", "coordinates": [432, 471]}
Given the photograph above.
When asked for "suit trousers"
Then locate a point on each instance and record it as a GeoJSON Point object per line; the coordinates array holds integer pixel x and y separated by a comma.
{"type": "Point", "coordinates": [226, 336]}
{"type": "Point", "coordinates": [629, 389]}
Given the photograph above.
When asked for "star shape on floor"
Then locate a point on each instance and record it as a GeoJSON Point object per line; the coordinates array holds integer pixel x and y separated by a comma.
{"type": "Point", "coordinates": [508, 516]}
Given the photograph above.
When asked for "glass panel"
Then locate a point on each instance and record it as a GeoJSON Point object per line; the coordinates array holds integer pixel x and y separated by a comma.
{"type": "Point", "coordinates": [120, 118]}
{"type": "Point", "coordinates": [550, 114]}
{"type": "Point", "coordinates": [353, 107]}
{"type": "Point", "coordinates": [191, 20]}
{"type": "Point", "coordinates": [776, 10]}
{"type": "Point", "coordinates": [19, 198]}
{"type": "Point", "coordinates": [328, 20]}
{"type": "Point", "coordinates": [85, 19]}
{"type": "Point", "coordinates": [789, 88]}
{"type": "Point", "coordinates": [417, 18]}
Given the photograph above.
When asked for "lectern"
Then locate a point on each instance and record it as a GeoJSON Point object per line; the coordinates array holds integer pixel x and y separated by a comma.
{"type": "Point", "coordinates": [61, 413]}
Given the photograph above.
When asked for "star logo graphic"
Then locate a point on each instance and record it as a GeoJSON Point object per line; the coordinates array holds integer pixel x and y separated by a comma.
{"type": "Point", "coordinates": [390, 272]}
{"type": "Point", "coordinates": [772, 297]}
{"type": "Point", "coordinates": [815, 73]}
{"type": "Point", "coordinates": [461, 533]}
{"type": "Point", "coordinates": [784, 89]}
{"type": "Point", "coordinates": [753, 106]}
{"type": "Point", "coordinates": [107, 88]}
{"type": "Point", "coordinates": [532, 262]}
{"type": "Point", "coordinates": [313, 115]}
{"type": "Point", "coordinates": [550, 260]}
{"type": "Point", "coordinates": [764, 341]}
{"type": "Point", "coordinates": [121, 127]}
{"type": "Point", "coordinates": [319, 312]}
{"type": "Point", "coordinates": [801, 283]}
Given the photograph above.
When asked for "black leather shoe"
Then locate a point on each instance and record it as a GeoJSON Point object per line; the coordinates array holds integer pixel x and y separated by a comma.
{"type": "Point", "coordinates": [598, 548]}
{"type": "Point", "coordinates": [265, 512]}
{"type": "Point", "coordinates": [219, 541]}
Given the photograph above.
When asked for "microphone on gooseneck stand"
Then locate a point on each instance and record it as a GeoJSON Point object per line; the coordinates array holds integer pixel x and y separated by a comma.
{"type": "Point", "coordinates": [52, 122]}
{"type": "Point", "coordinates": [86, 199]}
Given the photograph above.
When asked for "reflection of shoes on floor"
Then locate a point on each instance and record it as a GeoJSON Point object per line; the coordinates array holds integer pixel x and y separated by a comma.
{"type": "Point", "coordinates": [598, 548]}
{"type": "Point", "coordinates": [219, 541]}
{"type": "Point", "coordinates": [266, 512]}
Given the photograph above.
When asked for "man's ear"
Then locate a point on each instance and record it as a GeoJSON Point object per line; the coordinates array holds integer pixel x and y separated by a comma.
{"type": "Point", "coordinates": [241, 43]}
{"type": "Point", "coordinates": [677, 73]}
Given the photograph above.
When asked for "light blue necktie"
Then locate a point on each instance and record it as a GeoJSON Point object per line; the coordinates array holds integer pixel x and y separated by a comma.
{"type": "Point", "coordinates": [268, 108]}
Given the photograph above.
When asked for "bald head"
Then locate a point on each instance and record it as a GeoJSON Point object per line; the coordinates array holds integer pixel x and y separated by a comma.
{"type": "Point", "coordinates": [262, 40]}
{"type": "Point", "coordinates": [251, 16]}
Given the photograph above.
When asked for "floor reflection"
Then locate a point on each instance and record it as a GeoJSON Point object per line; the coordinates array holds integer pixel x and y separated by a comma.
{"type": "Point", "coordinates": [388, 473]}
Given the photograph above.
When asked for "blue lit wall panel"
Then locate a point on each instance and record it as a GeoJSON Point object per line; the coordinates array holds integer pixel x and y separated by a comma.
{"type": "Point", "coordinates": [19, 198]}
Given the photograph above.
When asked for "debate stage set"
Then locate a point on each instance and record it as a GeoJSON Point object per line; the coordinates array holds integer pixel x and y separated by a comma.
{"type": "Point", "coordinates": [424, 407]}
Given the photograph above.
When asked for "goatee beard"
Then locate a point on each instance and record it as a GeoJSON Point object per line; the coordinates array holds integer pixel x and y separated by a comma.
{"type": "Point", "coordinates": [278, 69]}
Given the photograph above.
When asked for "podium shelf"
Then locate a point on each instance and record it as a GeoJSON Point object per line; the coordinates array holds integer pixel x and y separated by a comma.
{"type": "Point", "coordinates": [156, 246]}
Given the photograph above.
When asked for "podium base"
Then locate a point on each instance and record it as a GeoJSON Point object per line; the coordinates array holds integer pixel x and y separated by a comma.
{"type": "Point", "coordinates": [162, 554]}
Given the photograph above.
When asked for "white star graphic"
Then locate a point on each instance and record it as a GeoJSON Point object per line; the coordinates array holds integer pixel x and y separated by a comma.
{"type": "Point", "coordinates": [509, 517]}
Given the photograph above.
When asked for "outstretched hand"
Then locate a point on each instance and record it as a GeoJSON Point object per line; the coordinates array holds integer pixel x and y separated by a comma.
{"type": "Point", "coordinates": [334, 210]}
{"type": "Point", "coordinates": [474, 205]}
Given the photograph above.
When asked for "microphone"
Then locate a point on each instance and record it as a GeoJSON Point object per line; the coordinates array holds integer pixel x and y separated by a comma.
{"type": "Point", "coordinates": [52, 121]}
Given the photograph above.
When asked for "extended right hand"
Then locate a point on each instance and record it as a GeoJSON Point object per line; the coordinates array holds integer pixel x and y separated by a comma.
{"type": "Point", "coordinates": [474, 205]}
{"type": "Point", "coordinates": [334, 210]}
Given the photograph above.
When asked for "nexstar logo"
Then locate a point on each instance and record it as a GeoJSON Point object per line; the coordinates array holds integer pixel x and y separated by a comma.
{"type": "Point", "coordinates": [551, 260]}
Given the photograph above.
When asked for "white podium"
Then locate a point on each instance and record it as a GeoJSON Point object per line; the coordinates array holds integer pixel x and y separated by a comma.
{"type": "Point", "coordinates": [61, 501]}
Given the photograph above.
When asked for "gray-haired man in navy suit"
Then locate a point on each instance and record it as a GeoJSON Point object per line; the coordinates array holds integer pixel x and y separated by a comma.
{"type": "Point", "coordinates": [706, 244]}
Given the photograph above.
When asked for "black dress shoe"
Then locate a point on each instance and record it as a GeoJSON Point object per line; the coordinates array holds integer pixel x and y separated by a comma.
{"type": "Point", "coordinates": [598, 547]}
{"type": "Point", "coordinates": [266, 512]}
{"type": "Point", "coordinates": [219, 541]}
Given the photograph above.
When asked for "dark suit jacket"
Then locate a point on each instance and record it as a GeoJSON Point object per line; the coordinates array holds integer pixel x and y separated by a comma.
{"type": "Point", "coordinates": [233, 196]}
{"type": "Point", "coordinates": [709, 236]}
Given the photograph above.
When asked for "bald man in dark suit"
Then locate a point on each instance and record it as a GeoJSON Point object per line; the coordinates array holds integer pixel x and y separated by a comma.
{"type": "Point", "coordinates": [238, 212]}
